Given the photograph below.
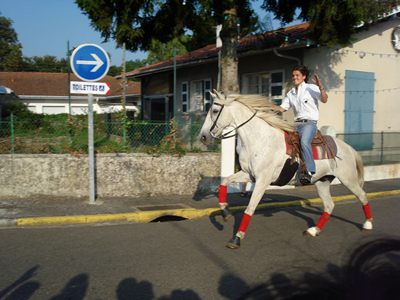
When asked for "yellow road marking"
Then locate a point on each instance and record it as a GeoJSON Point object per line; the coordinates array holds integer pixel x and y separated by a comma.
{"type": "Point", "coordinates": [191, 213]}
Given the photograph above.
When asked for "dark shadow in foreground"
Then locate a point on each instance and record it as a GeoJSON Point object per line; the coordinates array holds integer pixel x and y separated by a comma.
{"type": "Point", "coordinates": [372, 272]}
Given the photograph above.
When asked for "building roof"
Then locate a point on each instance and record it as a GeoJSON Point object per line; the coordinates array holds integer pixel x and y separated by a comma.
{"type": "Point", "coordinates": [56, 84]}
{"type": "Point", "coordinates": [276, 38]}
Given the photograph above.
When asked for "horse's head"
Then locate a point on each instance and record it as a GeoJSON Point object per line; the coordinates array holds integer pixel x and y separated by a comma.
{"type": "Point", "coordinates": [218, 118]}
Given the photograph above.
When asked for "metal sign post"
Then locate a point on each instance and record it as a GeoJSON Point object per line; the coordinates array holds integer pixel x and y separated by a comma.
{"type": "Point", "coordinates": [92, 194]}
{"type": "Point", "coordinates": [90, 63]}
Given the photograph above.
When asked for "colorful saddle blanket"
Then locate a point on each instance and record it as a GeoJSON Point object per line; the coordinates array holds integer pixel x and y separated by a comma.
{"type": "Point", "coordinates": [323, 146]}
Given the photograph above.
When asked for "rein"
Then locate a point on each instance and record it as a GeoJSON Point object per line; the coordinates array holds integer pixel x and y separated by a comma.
{"type": "Point", "coordinates": [225, 135]}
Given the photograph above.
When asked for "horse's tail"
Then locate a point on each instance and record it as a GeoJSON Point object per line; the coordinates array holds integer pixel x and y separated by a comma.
{"type": "Point", "coordinates": [360, 168]}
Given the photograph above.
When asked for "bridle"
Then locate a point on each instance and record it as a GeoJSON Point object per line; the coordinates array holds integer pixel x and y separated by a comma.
{"type": "Point", "coordinates": [225, 135]}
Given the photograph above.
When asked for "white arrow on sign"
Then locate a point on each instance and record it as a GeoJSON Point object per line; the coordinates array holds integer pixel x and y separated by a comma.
{"type": "Point", "coordinates": [97, 62]}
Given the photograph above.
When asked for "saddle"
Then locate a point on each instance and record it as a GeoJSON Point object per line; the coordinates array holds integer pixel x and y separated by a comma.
{"type": "Point", "coordinates": [326, 142]}
{"type": "Point", "coordinates": [324, 147]}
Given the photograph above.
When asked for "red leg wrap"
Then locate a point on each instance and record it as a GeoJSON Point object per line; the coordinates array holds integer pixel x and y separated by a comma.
{"type": "Point", "coordinates": [222, 193]}
{"type": "Point", "coordinates": [244, 223]}
{"type": "Point", "coordinates": [367, 211]}
{"type": "Point", "coordinates": [324, 218]}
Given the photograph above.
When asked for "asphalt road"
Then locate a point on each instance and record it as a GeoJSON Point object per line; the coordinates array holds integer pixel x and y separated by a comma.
{"type": "Point", "coordinates": [181, 260]}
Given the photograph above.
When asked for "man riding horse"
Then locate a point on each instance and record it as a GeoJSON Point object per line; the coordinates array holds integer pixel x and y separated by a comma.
{"type": "Point", "coordinates": [264, 155]}
{"type": "Point", "coordinates": [303, 98]}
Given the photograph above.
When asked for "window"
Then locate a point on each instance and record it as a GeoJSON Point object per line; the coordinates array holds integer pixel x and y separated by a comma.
{"type": "Point", "coordinates": [196, 100]}
{"type": "Point", "coordinates": [196, 97]}
{"type": "Point", "coordinates": [254, 85]}
{"type": "Point", "coordinates": [269, 84]}
{"type": "Point", "coordinates": [207, 95]}
{"type": "Point", "coordinates": [185, 107]}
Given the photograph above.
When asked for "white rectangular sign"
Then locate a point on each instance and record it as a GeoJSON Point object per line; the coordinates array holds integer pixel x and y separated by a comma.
{"type": "Point", "coordinates": [81, 87]}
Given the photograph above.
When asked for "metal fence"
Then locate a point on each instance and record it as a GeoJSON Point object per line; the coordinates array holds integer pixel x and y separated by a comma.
{"type": "Point", "coordinates": [110, 136]}
{"type": "Point", "coordinates": [375, 147]}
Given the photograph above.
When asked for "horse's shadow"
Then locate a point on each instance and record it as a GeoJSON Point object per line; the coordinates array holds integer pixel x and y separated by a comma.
{"type": "Point", "coordinates": [206, 187]}
{"type": "Point", "coordinates": [302, 212]}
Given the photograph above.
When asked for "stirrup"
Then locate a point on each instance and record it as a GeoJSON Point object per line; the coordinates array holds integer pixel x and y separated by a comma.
{"type": "Point", "coordinates": [305, 178]}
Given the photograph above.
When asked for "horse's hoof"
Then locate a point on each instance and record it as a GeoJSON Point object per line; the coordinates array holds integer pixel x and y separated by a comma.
{"type": "Point", "coordinates": [312, 231]}
{"type": "Point", "coordinates": [226, 213]}
{"type": "Point", "coordinates": [367, 226]}
{"type": "Point", "coordinates": [307, 234]}
{"type": "Point", "coordinates": [227, 218]}
{"type": "Point", "coordinates": [234, 243]}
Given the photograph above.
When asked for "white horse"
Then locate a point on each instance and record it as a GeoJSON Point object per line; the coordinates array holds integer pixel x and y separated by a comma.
{"type": "Point", "coordinates": [263, 156]}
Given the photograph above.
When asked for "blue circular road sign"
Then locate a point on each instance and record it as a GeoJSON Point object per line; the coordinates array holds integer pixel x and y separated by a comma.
{"type": "Point", "coordinates": [90, 62]}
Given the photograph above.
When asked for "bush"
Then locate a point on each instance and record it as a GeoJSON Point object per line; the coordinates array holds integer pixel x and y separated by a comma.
{"type": "Point", "coordinates": [18, 109]}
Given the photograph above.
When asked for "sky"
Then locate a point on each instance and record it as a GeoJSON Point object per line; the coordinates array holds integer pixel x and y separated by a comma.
{"type": "Point", "coordinates": [44, 27]}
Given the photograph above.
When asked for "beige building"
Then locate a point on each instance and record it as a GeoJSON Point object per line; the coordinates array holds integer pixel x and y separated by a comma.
{"type": "Point", "coordinates": [375, 60]}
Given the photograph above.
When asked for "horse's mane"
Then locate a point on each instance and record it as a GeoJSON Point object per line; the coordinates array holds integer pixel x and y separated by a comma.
{"type": "Point", "coordinates": [264, 109]}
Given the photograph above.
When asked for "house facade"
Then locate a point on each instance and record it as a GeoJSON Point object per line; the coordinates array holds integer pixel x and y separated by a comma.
{"type": "Point", "coordinates": [361, 80]}
{"type": "Point", "coordinates": [48, 93]}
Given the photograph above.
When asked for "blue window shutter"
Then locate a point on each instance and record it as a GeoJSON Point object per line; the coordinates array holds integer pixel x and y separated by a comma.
{"type": "Point", "coordinates": [359, 109]}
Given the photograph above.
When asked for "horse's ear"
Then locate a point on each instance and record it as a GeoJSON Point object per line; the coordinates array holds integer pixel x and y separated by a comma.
{"type": "Point", "coordinates": [213, 95]}
{"type": "Point", "coordinates": [219, 95]}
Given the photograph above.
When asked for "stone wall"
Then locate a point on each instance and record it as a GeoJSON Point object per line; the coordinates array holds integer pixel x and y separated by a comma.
{"type": "Point", "coordinates": [32, 176]}
{"type": "Point", "coordinates": [117, 175]}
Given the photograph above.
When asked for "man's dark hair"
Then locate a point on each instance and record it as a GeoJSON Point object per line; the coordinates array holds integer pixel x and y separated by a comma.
{"type": "Point", "coordinates": [303, 70]}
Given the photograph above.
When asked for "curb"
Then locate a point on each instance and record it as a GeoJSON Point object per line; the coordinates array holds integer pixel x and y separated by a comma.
{"type": "Point", "coordinates": [8, 222]}
{"type": "Point", "coordinates": [189, 213]}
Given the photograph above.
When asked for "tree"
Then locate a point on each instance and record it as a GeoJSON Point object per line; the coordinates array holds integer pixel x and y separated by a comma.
{"type": "Point", "coordinates": [114, 71]}
{"type": "Point", "coordinates": [332, 22]}
{"type": "Point", "coordinates": [138, 22]}
{"type": "Point", "coordinates": [162, 51]}
{"type": "Point", "coordinates": [131, 65]}
{"type": "Point", "coordinates": [46, 63]}
{"type": "Point", "coordinates": [10, 49]}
